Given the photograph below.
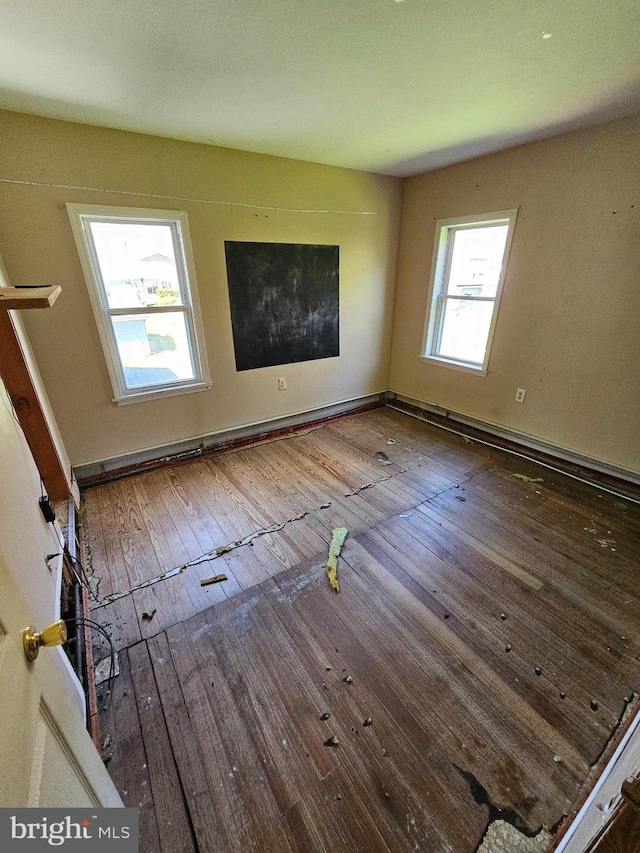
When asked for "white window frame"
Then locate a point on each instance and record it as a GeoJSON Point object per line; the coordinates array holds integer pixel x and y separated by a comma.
{"type": "Point", "coordinates": [438, 297]}
{"type": "Point", "coordinates": [80, 215]}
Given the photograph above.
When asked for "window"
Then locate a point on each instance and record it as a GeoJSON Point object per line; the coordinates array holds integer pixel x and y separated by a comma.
{"type": "Point", "coordinates": [469, 264]}
{"type": "Point", "coordinates": [139, 272]}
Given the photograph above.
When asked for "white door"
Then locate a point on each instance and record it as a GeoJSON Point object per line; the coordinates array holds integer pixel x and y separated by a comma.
{"type": "Point", "coordinates": [47, 758]}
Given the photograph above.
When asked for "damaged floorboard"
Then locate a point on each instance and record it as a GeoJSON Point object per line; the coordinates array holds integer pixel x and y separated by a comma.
{"type": "Point", "coordinates": [473, 666]}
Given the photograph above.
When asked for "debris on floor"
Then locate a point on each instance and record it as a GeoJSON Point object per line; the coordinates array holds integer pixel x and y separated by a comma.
{"type": "Point", "coordinates": [333, 741]}
{"type": "Point", "coordinates": [103, 669]}
{"type": "Point", "coordinates": [367, 722]}
{"type": "Point", "coordinates": [391, 441]}
{"type": "Point", "coordinates": [501, 837]}
{"type": "Point", "coordinates": [382, 458]}
{"type": "Point", "coordinates": [224, 549]}
{"type": "Point", "coordinates": [367, 486]}
{"type": "Point", "coordinates": [214, 579]}
{"type": "Point", "coordinates": [325, 716]}
{"type": "Point", "coordinates": [149, 616]}
{"type": "Point", "coordinates": [116, 596]}
{"type": "Point", "coordinates": [339, 535]}
{"type": "Point", "coordinates": [466, 439]}
{"type": "Point", "coordinates": [347, 679]}
{"type": "Point", "coordinates": [526, 479]}
{"type": "Point", "coordinates": [211, 555]}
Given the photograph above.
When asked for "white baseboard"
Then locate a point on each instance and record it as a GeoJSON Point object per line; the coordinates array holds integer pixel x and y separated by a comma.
{"type": "Point", "coordinates": [596, 811]}
{"type": "Point", "coordinates": [519, 438]}
{"type": "Point", "coordinates": [200, 444]}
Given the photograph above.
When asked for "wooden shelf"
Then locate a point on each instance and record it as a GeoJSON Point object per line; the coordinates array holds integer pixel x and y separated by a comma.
{"type": "Point", "coordinates": [28, 297]}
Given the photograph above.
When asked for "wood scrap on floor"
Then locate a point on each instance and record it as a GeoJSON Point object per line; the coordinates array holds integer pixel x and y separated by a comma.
{"type": "Point", "coordinates": [214, 579]}
{"type": "Point", "coordinates": [339, 535]}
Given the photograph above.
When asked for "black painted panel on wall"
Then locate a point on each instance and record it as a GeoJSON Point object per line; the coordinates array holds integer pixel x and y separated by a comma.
{"type": "Point", "coordinates": [284, 302]}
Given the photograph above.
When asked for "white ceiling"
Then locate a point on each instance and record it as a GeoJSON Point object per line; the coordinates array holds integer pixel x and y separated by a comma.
{"type": "Point", "coordinates": [392, 86]}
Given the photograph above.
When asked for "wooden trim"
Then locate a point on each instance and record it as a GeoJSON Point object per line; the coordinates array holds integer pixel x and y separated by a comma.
{"type": "Point", "coordinates": [24, 397]}
{"type": "Point", "coordinates": [29, 296]}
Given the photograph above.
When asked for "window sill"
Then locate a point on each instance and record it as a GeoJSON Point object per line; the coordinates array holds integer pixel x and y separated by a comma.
{"type": "Point", "coordinates": [478, 370]}
{"type": "Point", "coordinates": [145, 396]}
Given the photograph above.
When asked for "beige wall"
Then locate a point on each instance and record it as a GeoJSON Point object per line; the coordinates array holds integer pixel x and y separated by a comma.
{"type": "Point", "coordinates": [568, 329]}
{"type": "Point", "coordinates": [569, 325]}
{"type": "Point", "coordinates": [37, 246]}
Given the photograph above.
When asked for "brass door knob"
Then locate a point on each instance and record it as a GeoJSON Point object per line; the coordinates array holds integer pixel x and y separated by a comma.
{"type": "Point", "coordinates": [53, 635]}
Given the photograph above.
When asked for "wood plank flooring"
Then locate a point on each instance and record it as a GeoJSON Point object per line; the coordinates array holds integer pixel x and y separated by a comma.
{"type": "Point", "coordinates": [490, 626]}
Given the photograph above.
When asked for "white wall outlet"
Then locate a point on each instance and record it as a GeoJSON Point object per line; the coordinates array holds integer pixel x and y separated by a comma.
{"type": "Point", "coordinates": [520, 395]}
{"type": "Point", "coordinates": [282, 384]}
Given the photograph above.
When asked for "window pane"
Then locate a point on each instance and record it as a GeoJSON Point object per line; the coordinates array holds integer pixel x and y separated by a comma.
{"type": "Point", "coordinates": [154, 348]}
{"type": "Point", "coordinates": [477, 260]}
{"type": "Point", "coordinates": [465, 330]}
{"type": "Point", "coordinates": [137, 263]}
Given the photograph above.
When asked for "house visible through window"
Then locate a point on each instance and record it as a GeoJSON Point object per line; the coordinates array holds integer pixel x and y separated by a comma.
{"type": "Point", "coordinates": [137, 264]}
{"type": "Point", "coordinates": [469, 265]}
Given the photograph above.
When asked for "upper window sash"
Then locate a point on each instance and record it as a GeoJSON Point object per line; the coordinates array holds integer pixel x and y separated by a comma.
{"type": "Point", "coordinates": [177, 242]}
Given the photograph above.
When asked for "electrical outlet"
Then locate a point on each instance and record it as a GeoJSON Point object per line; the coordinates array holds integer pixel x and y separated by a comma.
{"type": "Point", "coordinates": [282, 384]}
{"type": "Point", "coordinates": [520, 395]}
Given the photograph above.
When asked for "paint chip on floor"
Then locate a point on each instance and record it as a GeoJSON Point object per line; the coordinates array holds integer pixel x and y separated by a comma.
{"type": "Point", "coordinates": [103, 669]}
{"type": "Point", "coordinates": [501, 837]}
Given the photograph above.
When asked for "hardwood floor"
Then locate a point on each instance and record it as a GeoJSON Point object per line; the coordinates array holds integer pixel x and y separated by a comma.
{"type": "Point", "coordinates": [490, 626]}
